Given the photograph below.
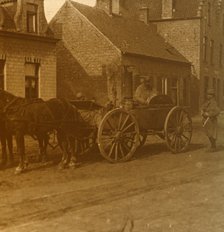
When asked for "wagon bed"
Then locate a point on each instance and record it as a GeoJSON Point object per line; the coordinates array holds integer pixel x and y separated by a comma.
{"type": "Point", "coordinates": [122, 131]}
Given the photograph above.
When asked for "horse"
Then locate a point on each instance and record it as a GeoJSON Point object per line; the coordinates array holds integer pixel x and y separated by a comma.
{"type": "Point", "coordinates": [37, 118]}
{"type": "Point", "coordinates": [6, 141]}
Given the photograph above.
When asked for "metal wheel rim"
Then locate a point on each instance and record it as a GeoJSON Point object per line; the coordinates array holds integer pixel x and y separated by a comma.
{"type": "Point", "coordinates": [178, 136]}
{"type": "Point", "coordinates": [124, 131]}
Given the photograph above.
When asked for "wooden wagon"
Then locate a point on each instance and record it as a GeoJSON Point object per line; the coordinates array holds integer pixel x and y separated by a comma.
{"type": "Point", "coordinates": [122, 130]}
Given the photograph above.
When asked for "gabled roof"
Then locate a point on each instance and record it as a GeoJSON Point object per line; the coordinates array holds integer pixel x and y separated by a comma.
{"type": "Point", "coordinates": [8, 22]}
{"type": "Point", "coordinates": [130, 35]}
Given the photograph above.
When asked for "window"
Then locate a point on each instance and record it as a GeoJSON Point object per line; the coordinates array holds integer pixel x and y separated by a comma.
{"type": "Point", "coordinates": [212, 51]}
{"type": "Point", "coordinates": [2, 67]}
{"type": "Point", "coordinates": [220, 55]}
{"type": "Point", "coordinates": [32, 18]}
{"type": "Point", "coordinates": [205, 44]}
{"type": "Point", "coordinates": [115, 7]}
{"type": "Point", "coordinates": [31, 80]}
{"type": "Point", "coordinates": [162, 85]}
{"type": "Point", "coordinates": [209, 14]}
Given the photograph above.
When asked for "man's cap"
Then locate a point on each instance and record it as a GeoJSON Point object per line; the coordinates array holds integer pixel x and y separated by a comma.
{"type": "Point", "coordinates": [145, 80]}
{"type": "Point", "coordinates": [211, 92]}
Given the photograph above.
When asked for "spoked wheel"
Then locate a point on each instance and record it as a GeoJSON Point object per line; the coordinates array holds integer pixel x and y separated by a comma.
{"type": "Point", "coordinates": [178, 129]}
{"type": "Point", "coordinates": [118, 136]}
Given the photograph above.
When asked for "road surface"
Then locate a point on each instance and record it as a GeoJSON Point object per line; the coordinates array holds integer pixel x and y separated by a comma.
{"type": "Point", "coordinates": [156, 191]}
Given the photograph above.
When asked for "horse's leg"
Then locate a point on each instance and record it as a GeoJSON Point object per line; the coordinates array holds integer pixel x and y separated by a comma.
{"type": "Point", "coordinates": [40, 142]}
{"type": "Point", "coordinates": [66, 151]}
{"type": "Point", "coordinates": [62, 145]}
{"type": "Point", "coordinates": [43, 142]}
{"type": "Point", "coordinates": [69, 150]}
{"type": "Point", "coordinates": [10, 147]}
{"type": "Point", "coordinates": [21, 151]}
{"type": "Point", "coordinates": [74, 149]}
{"type": "Point", "coordinates": [4, 152]}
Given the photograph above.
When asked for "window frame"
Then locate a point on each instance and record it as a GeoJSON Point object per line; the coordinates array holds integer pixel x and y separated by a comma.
{"type": "Point", "coordinates": [112, 8]}
{"type": "Point", "coordinates": [32, 93]}
{"type": "Point", "coordinates": [34, 16]}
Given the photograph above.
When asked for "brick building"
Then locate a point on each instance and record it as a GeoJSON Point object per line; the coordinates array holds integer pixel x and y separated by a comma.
{"type": "Point", "coordinates": [104, 55]}
{"type": "Point", "coordinates": [196, 29]}
{"type": "Point", "coordinates": [27, 50]}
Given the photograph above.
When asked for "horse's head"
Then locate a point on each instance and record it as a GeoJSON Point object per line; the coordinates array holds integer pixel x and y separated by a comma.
{"type": "Point", "coordinates": [5, 99]}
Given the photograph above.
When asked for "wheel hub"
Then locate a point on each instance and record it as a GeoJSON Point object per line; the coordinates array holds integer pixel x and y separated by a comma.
{"type": "Point", "coordinates": [118, 136]}
{"type": "Point", "coordinates": [179, 130]}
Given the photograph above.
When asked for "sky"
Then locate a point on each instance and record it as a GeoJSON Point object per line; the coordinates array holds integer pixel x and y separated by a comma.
{"type": "Point", "coordinates": [52, 6]}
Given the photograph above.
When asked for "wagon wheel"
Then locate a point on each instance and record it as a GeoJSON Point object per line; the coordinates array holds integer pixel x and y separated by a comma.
{"type": "Point", "coordinates": [118, 136]}
{"type": "Point", "coordinates": [178, 129]}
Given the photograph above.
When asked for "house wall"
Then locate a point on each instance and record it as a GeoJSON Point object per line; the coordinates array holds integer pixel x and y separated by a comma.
{"type": "Point", "coordinates": [131, 8]}
{"type": "Point", "coordinates": [83, 56]}
{"type": "Point", "coordinates": [16, 51]}
{"type": "Point", "coordinates": [157, 69]}
{"type": "Point", "coordinates": [214, 31]}
{"type": "Point", "coordinates": [185, 36]}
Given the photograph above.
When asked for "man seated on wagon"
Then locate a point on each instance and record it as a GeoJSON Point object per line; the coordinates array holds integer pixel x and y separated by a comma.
{"type": "Point", "coordinates": [144, 93]}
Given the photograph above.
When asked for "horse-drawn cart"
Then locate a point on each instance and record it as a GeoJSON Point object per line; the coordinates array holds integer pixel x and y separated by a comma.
{"type": "Point", "coordinates": [121, 131]}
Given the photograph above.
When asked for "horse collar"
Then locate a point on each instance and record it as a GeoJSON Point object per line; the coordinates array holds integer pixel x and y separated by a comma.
{"type": "Point", "coordinates": [9, 104]}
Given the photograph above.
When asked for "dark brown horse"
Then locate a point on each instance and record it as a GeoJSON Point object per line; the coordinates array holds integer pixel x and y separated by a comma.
{"type": "Point", "coordinates": [6, 142]}
{"type": "Point", "coordinates": [36, 117]}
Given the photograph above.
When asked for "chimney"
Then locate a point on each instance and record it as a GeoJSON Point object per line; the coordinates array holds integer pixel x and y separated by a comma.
{"type": "Point", "coordinates": [167, 9]}
{"type": "Point", "coordinates": [144, 14]}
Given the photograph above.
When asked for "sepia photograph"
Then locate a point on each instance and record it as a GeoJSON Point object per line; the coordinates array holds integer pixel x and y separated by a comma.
{"type": "Point", "coordinates": [111, 115]}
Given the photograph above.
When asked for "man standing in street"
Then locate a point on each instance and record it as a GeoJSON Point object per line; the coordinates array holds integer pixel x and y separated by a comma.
{"type": "Point", "coordinates": [210, 112]}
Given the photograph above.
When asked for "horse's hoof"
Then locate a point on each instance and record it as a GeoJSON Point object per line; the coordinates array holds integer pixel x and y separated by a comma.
{"type": "Point", "coordinates": [44, 161]}
{"type": "Point", "coordinates": [19, 170]}
{"type": "Point", "coordinates": [74, 165]}
{"type": "Point", "coordinates": [26, 165]}
{"type": "Point", "coordinates": [61, 166]}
